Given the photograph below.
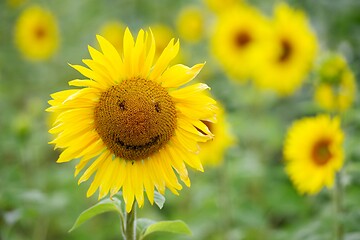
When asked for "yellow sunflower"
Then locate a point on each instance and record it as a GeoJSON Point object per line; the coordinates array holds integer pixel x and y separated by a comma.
{"type": "Point", "coordinates": [130, 117]}
{"type": "Point", "coordinates": [286, 58]}
{"type": "Point", "coordinates": [337, 86]}
{"type": "Point", "coordinates": [36, 33]}
{"type": "Point", "coordinates": [219, 6]}
{"type": "Point", "coordinates": [236, 35]}
{"type": "Point", "coordinates": [190, 24]}
{"type": "Point", "coordinates": [313, 152]}
{"type": "Point", "coordinates": [212, 152]}
{"type": "Point", "coordinates": [114, 32]}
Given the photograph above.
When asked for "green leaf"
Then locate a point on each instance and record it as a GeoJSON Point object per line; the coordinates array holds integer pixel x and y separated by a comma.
{"type": "Point", "coordinates": [106, 205]}
{"type": "Point", "coordinates": [142, 224]}
{"type": "Point", "coordinates": [159, 199]}
{"type": "Point", "coordinates": [176, 226]}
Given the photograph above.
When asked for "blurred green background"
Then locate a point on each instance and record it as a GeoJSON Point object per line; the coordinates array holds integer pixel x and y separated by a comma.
{"type": "Point", "coordinates": [249, 196]}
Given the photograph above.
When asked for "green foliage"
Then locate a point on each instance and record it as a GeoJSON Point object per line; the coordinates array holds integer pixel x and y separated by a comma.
{"type": "Point", "coordinates": [176, 226]}
{"type": "Point", "coordinates": [144, 226]}
{"type": "Point", "coordinates": [106, 205]}
{"type": "Point", "coordinates": [248, 197]}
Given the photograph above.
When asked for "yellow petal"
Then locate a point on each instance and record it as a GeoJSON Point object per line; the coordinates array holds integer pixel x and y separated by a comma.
{"type": "Point", "coordinates": [111, 53]}
{"type": "Point", "coordinates": [103, 72]}
{"type": "Point", "coordinates": [162, 63]}
{"type": "Point", "coordinates": [191, 91]}
{"type": "Point", "coordinates": [107, 180]}
{"type": "Point", "coordinates": [148, 185]}
{"type": "Point", "coordinates": [128, 50]}
{"type": "Point", "coordinates": [188, 144]}
{"type": "Point", "coordinates": [86, 83]}
{"type": "Point", "coordinates": [178, 164]}
{"type": "Point", "coordinates": [120, 176]}
{"type": "Point", "coordinates": [137, 182]}
{"type": "Point", "coordinates": [154, 174]}
{"type": "Point", "coordinates": [179, 75]}
{"type": "Point", "coordinates": [138, 54]}
{"type": "Point", "coordinates": [128, 191]}
{"type": "Point", "coordinates": [150, 56]}
{"type": "Point", "coordinates": [98, 176]}
{"type": "Point", "coordinates": [196, 112]}
{"type": "Point", "coordinates": [93, 167]}
{"type": "Point", "coordinates": [190, 158]}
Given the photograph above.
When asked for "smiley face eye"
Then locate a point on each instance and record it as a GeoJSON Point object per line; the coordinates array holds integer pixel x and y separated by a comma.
{"type": "Point", "coordinates": [157, 107]}
{"type": "Point", "coordinates": [122, 105]}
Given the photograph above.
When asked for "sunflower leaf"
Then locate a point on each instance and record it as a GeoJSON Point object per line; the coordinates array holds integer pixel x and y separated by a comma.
{"type": "Point", "coordinates": [176, 226]}
{"type": "Point", "coordinates": [159, 199]}
{"type": "Point", "coordinates": [142, 224]}
{"type": "Point", "coordinates": [106, 205]}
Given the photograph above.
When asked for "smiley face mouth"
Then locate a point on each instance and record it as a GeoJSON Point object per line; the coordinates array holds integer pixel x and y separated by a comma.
{"type": "Point", "coordinates": [153, 141]}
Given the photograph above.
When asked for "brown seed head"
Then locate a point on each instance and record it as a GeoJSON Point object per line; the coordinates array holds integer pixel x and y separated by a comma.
{"type": "Point", "coordinates": [321, 152]}
{"type": "Point", "coordinates": [135, 118]}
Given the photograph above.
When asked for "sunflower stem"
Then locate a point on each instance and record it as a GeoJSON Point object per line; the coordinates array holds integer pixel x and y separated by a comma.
{"type": "Point", "coordinates": [338, 207]}
{"type": "Point", "coordinates": [130, 224]}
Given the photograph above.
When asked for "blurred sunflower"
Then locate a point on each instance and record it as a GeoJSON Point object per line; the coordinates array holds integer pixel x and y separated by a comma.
{"type": "Point", "coordinates": [337, 86]}
{"type": "Point", "coordinates": [130, 116]}
{"type": "Point", "coordinates": [219, 6]}
{"type": "Point", "coordinates": [36, 33]}
{"type": "Point", "coordinates": [212, 152]}
{"type": "Point", "coordinates": [287, 56]}
{"type": "Point", "coordinates": [313, 152]}
{"type": "Point", "coordinates": [190, 24]}
{"type": "Point", "coordinates": [236, 35]}
{"type": "Point", "coordinates": [114, 33]}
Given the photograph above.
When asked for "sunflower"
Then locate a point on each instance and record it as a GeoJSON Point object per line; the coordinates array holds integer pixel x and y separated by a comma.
{"type": "Point", "coordinates": [313, 152]}
{"type": "Point", "coordinates": [287, 56]}
{"type": "Point", "coordinates": [238, 32]}
{"type": "Point", "coordinates": [336, 88]}
{"type": "Point", "coordinates": [219, 6]}
{"type": "Point", "coordinates": [212, 152]}
{"type": "Point", "coordinates": [130, 116]}
{"type": "Point", "coordinates": [114, 32]}
{"type": "Point", "coordinates": [36, 33]}
{"type": "Point", "coordinates": [190, 24]}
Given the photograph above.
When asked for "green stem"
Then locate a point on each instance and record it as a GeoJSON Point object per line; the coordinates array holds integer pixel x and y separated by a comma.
{"type": "Point", "coordinates": [338, 207]}
{"type": "Point", "coordinates": [130, 225]}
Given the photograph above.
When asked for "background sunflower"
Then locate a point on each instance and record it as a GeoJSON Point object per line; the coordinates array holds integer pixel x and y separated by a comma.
{"type": "Point", "coordinates": [313, 152]}
{"type": "Point", "coordinates": [36, 33]}
{"type": "Point", "coordinates": [248, 196]}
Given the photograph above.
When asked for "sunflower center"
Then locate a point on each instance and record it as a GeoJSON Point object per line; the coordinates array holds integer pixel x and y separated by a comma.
{"type": "Point", "coordinates": [242, 39]}
{"type": "Point", "coordinates": [321, 152]}
{"type": "Point", "coordinates": [40, 32]}
{"type": "Point", "coordinates": [286, 51]}
{"type": "Point", "coordinates": [135, 118]}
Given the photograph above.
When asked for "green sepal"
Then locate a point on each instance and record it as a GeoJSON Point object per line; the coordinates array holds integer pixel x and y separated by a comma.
{"type": "Point", "coordinates": [159, 199]}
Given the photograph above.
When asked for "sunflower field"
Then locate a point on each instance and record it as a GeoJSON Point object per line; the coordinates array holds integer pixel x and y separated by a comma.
{"type": "Point", "coordinates": [205, 119]}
